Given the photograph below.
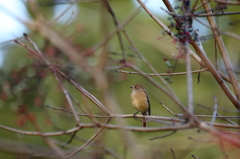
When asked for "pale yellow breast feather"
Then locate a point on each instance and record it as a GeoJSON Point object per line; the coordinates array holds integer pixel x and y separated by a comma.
{"type": "Point", "coordinates": [139, 101]}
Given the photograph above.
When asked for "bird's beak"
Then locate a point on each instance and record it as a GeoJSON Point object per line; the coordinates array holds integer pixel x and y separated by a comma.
{"type": "Point", "coordinates": [131, 87]}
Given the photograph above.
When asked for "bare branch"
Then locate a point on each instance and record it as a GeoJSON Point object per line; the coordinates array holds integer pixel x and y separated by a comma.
{"type": "Point", "coordinates": [90, 140]}
{"type": "Point", "coordinates": [166, 135]}
{"type": "Point", "coordinates": [160, 74]}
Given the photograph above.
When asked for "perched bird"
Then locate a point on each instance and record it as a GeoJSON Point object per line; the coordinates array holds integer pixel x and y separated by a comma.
{"type": "Point", "coordinates": [140, 101]}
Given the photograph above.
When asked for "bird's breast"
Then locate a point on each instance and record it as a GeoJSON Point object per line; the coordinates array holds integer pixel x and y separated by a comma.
{"type": "Point", "coordinates": [139, 101]}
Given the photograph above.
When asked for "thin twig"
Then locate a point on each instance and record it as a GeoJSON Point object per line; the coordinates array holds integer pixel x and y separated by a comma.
{"type": "Point", "coordinates": [141, 116]}
{"type": "Point", "coordinates": [228, 120]}
{"type": "Point", "coordinates": [197, 7]}
{"type": "Point", "coordinates": [195, 156]}
{"type": "Point", "coordinates": [214, 132]}
{"type": "Point", "coordinates": [194, 6]}
{"type": "Point", "coordinates": [121, 115]}
{"type": "Point", "coordinates": [215, 110]}
{"type": "Point", "coordinates": [98, 145]}
{"type": "Point", "coordinates": [204, 125]}
{"type": "Point", "coordinates": [111, 12]}
{"type": "Point", "coordinates": [170, 110]}
{"type": "Point", "coordinates": [226, 2]}
{"type": "Point", "coordinates": [216, 74]}
{"type": "Point", "coordinates": [159, 137]}
{"type": "Point", "coordinates": [229, 132]}
{"type": "Point", "coordinates": [224, 53]}
{"type": "Point", "coordinates": [203, 141]}
{"type": "Point", "coordinates": [70, 140]}
{"type": "Point", "coordinates": [231, 34]}
{"type": "Point", "coordinates": [56, 77]}
{"type": "Point", "coordinates": [221, 144]}
{"type": "Point", "coordinates": [156, 19]}
{"type": "Point", "coordinates": [119, 27]}
{"type": "Point", "coordinates": [219, 108]}
{"type": "Point", "coordinates": [55, 19]}
{"type": "Point", "coordinates": [174, 157]}
{"type": "Point", "coordinates": [160, 74]}
{"type": "Point", "coordinates": [89, 141]}
{"type": "Point", "coordinates": [216, 14]}
{"type": "Point", "coordinates": [208, 64]}
{"type": "Point", "coordinates": [80, 88]}
{"type": "Point", "coordinates": [189, 76]}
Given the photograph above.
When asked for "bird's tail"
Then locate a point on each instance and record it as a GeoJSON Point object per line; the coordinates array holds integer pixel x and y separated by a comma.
{"type": "Point", "coordinates": [144, 123]}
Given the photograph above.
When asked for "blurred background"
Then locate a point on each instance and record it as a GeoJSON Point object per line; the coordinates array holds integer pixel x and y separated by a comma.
{"type": "Point", "coordinates": [27, 85]}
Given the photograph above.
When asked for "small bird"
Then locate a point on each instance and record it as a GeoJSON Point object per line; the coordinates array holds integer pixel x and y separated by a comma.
{"type": "Point", "coordinates": [140, 101]}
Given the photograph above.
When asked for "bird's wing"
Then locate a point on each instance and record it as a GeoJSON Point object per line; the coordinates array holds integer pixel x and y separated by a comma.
{"type": "Point", "coordinates": [149, 107]}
